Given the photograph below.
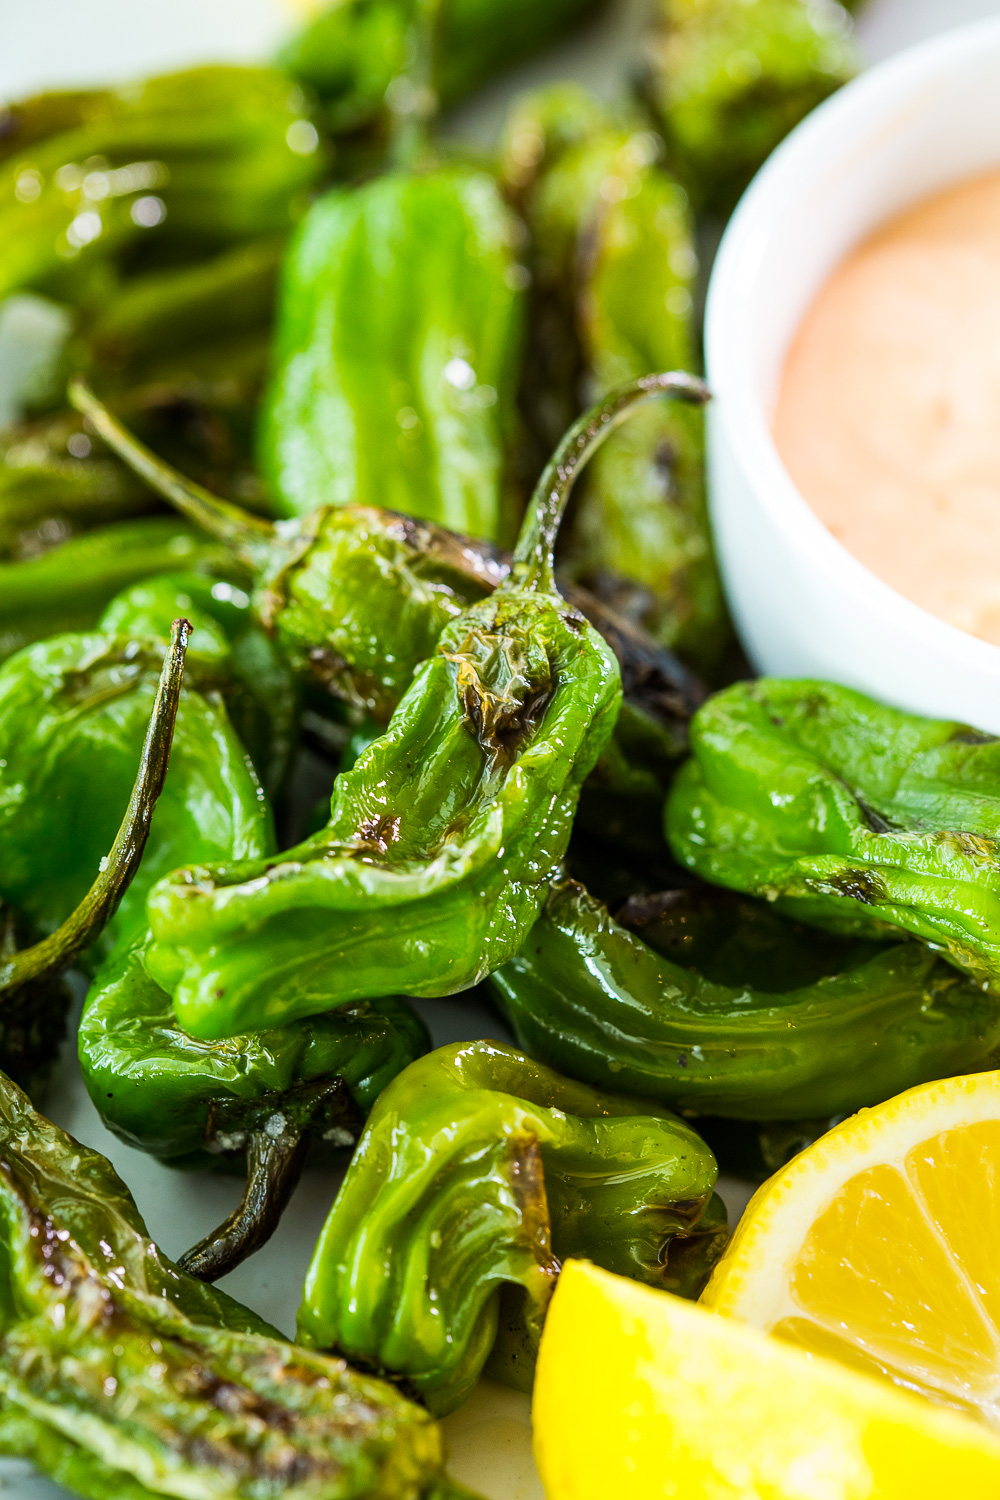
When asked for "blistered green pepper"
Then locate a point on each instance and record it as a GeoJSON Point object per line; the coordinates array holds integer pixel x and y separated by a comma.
{"type": "Point", "coordinates": [201, 158]}
{"type": "Point", "coordinates": [265, 1097]}
{"type": "Point", "coordinates": [122, 1376]}
{"type": "Point", "coordinates": [748, 1019]}
{"type": "Point", "coordinates": [73, 710]}
{"type": "Point", "coordinates": [397, 341]}
{"type": "Point", "coordinates": [444, 833]}
{"type": "Point", "coordinates": [33, 997]}
{"type": "Point", "coordinates": [846, 814]}
{"type": "Point", "coordinates": [478, 1172]}
{"type": "Point", "coordinates": [68, 586]}
{"type": "Point", "coordinates": [613, 268]}
{"type": "Point", "coordinates": [730, 78]}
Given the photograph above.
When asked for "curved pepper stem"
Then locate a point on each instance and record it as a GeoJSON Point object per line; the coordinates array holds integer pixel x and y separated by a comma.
{"type": "Point", "coordinates": [533, 555]}
{"type": "Point", "coordinates": [250, 537]}
{"type": "Point", "coordinates": [56, 952]}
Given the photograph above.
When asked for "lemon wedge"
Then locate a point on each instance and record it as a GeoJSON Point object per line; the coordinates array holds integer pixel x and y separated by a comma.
{"type": "Point", "coordinates": [880, 1246]}
{"type": "Point", "coordinates": [640, 1396]}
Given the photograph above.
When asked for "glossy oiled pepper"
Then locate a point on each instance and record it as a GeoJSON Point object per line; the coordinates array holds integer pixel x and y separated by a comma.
{"type": "Point", "coordinates": [749, 1019]}
{"type": "Point", "coordinates": [478, 1172]}
{"type": "Point", "coordinates": [398, 335]}
{"type": "Point", "coordinates": [73, 711]}
{"type": "Point", "coordinates": [613, 269]}
{"type": "Point", "coordinates": [68, 586]}
{"type": "Point", "coordinates": [202, 158]}
{"type": "Point", "coordinates": [443, 835]}
{"type": "Point", "coordinates": [266, 1097]}
{"type": "Point", "coordinates": [122, 1376]}
{"type": "Point", "coordinates": [730, 78]}
{"type": "Point", "coordinates": [847, 814]}
{"type": "Point", "coordinates": [354, 49]}
{"type": "Point", "coordinates": [33, 997]}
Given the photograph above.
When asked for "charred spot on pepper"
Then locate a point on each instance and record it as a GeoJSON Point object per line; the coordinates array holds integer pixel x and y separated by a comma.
{"type": "Point", "coordinates": [858, 885]}
{"type": "Point", "coordinates": [378, 833]}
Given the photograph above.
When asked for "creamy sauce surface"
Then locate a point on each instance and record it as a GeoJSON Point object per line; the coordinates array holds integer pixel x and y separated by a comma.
{"type": "Point", "coordinates": [888, 419]}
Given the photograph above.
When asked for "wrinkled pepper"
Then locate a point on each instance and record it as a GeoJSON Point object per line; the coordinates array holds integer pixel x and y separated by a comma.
{"type": "Point", "coordinates": [443, 835]}
{"type": "Point", "coordinates": [265, 1097]}
{"type": "Point", "coordinates": [196, 159]}
{"type": "Point", "coordinates": [729, 79]}
{"type": "Point", "coordinates": [396, 347]}
{"type": "Point", "coordinates": [354, 49]}
{"type": "Point", "coordinates": [33, 997]}
{"type": "Point", "coordinates": [478, 1172]}
{"type": "Point", "coordinates": [73, 710]}
{"type": "Point", "coordinates": [846, 814]}
{"type": "Point", "coordinates": [613, 268]}
{"type": "Point", "coordinates": [747, 1018]}
{"type": "Point", "coordinates": [123, 1376]}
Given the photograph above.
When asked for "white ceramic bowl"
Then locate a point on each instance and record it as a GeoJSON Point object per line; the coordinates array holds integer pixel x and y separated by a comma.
{"type": "Point", "coordinates": [803, 605]}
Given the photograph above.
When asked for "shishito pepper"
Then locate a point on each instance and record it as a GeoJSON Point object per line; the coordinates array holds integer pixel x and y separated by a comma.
{"type": "Point", "coordinates": [354, 49]}
{"type": "Point", "coordinates": [443, 835]}
{"type": "Point", "coordinates": [730, 78]}
{"type": "Point", "coordinates": [613, 270]}
{"type": "Point", "coordinates": [33, 999]}
{"type": "Point", "coordinates": [478, 1172]}
{"type": "Point", "coordinates": [847, 814]}
{"type": "Point", "coordinates": [199, 158]}
{"type": "Point", "coordinates": [747, 1018]}
{"type": "Point", "coordinates": [73, 711]}
{"type": "Point", "coordinates": [122, 1376]}
{"type": "Point", "coordinates": [266, 1097]}
{"type": "Point", "coordinates": [398, 335]}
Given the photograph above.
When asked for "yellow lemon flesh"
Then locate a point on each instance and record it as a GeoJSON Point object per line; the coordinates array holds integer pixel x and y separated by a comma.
{"type": "Point", "coordinates": [880, 1246]}
{"type": "Point", "coordinates": [639, 1395]}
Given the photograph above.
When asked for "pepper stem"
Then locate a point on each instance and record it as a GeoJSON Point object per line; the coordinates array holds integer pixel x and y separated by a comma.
{"type": "Point", "coordinates": [533, 555]}
{"type": "Point", "coordinates": [274, 1166]}
{"type": "Point", "coordinates": [57, 952]}
{"type": "Point", "coordinates": [249, 537]}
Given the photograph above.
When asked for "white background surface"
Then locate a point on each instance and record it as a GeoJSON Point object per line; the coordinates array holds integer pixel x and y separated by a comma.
{"type": "Point", "coordinates": [57, 42]}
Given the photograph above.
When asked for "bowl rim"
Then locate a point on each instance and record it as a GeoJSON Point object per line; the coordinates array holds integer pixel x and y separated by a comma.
{"type": "Point", "coordinates": [832, 131]}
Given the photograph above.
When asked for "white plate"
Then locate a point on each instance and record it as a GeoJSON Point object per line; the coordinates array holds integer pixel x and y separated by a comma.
{"type": "Point", "coordinates": [60, 42]}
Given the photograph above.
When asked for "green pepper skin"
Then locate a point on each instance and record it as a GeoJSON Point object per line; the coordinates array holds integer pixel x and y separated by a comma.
{"type": "Point", "coordinates": [440, 843]}
{"type": "Point", "coordinates": [730, 78]}
{"type": "Point", "coordinates": [478, 1172]}
{"type": "Point", "coordinates": [68, 587]}
{"type": "Point", "coordinates": [189, 1102]}
{"type": "Point", "coordinates": [210, 145]}
{"type": "Point", "coordinates": [613, 267]}
{"type": "Point", "coordinates": [73, 711]}
{"type": "Point", "coordinates": [444, 834]}
{"type": "Point", "coordinates": [847, 814]}
{"type": "Point", "coordinates": [254, 680]}
{"type": "Point", "coordinates": [590, 997]}
{"type": "Point", "coordinates": [398, 336]}
{"type": "Point", "coordinates": [354, 49]}
{"type": "Point", "coordinates": [126, 1401]}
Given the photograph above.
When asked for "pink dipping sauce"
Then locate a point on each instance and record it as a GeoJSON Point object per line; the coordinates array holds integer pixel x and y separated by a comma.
{"type": "Point", "coordinates": [888, 418]}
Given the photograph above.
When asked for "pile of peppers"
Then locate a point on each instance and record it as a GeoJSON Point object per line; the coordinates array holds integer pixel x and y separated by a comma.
{"type": "Point", "coordinates": [358, 467]}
